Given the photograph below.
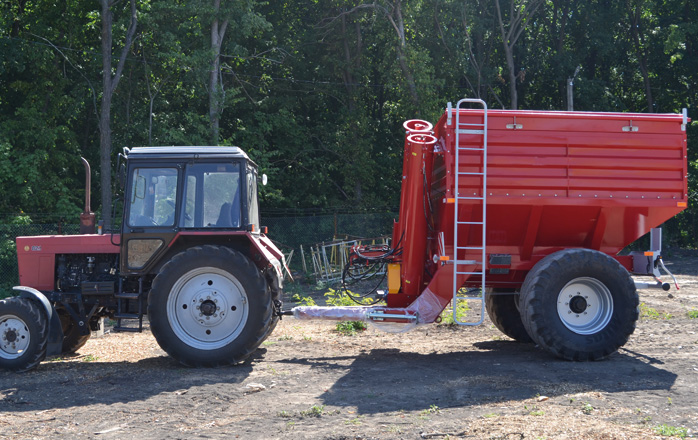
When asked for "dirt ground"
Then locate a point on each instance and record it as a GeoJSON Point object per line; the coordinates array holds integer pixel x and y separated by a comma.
{"type": "Point", "coordinates": [437, 382]}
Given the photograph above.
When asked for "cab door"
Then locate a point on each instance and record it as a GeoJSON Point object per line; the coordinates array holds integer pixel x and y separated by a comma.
{"type": "Point", "coordinates": [150, 214]}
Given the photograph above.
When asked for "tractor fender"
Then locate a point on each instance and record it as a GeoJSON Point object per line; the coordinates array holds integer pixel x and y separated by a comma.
{"type": "Point", "coordinates": [55, 330]}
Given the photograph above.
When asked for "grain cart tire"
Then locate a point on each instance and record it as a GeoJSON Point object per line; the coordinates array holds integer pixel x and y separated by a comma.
{"type": "Point", "coordinates": [209, 306]}
{"type": "Point", "coordinates": [23, 334]}
{"type": "Point", "coordinates": [579, 304]}
{"type": "Point", "coordinates": [502, 309]}
{"type": "Point", "coordinates": [72, 339]}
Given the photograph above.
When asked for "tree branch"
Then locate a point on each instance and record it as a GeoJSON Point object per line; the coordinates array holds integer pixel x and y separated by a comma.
{"type": "Point", "coordinates": [127, 47]}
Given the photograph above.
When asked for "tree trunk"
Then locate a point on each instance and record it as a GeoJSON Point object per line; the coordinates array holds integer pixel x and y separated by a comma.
{"type": "Point", "coordinates": [519, 16]}
{"type": "Point", "coordinates": [105, 116]}
{"type": "Point", "coordinates": [642, 56]}
{"type": "Point", "coordinates": [109, 85]}
{"type": "Point", "coordinates": [216, 92]}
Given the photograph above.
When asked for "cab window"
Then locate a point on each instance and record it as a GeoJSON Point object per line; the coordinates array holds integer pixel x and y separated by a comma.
{"type": "Point", "coordinates": [212, 196]}
{"type": "Point", "coordinates": [153, 194]}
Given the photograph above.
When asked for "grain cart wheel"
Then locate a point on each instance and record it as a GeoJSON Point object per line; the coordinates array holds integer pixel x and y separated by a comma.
{"type": "Point", "coordinates": [501, 305]}
{"type": "Point", "coordinates": [579, 304]}
{"type": "Point", "coordinates": [209, 306]}
{"type": "Point", "coordinates": [72, 339]}
{"type": "Point", "coordinates": [23, 334]}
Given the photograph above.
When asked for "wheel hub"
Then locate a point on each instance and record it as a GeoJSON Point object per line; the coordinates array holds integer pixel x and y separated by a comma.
{"type": "Point", "coordinates": [14, 337]}
{"type": "Point", "coordinates": [578, 304]}
{"type": "Point", "coordinates": [585, 305]}
{"type": "Point", "coordinates": [11, 335]}
{"type": "Point", "coordinates": [207, 308]}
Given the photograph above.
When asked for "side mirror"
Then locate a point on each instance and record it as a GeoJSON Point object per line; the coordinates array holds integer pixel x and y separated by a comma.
{"type": "Point", "coordinates": [264, 179]}
{"type": "Point", "coordinates": [121, 175]}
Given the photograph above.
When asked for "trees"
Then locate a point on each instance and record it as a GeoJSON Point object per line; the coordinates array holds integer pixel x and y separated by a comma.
{"type": "Point", "coordinates": [110, 81]}
{"type": "Point", "coordinates": [316, 92]}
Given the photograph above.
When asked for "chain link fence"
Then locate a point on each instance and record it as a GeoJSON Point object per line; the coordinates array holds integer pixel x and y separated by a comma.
{"type": "Point", "coordinates": [288, 232]}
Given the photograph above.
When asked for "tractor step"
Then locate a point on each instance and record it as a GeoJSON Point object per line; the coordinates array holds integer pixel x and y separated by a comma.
{"type": "Point", "coordinates": [128, 295]}
{"type": "Point", "coordinates": [126, 329]}
{"type": "Point", "coordinates": [127, 316]}
{"type": "Point", "coordinates": [123, 301]}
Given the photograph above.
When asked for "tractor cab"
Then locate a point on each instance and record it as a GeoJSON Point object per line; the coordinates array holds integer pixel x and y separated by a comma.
{"type": "Point", "coordinates": [174, 190]}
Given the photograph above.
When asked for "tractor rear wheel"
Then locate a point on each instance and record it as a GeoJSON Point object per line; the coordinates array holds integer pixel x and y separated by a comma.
{"type": "Point", "coordinates": [210, 306]}
{"type": "Point", "coordinates": [502, 309]}
{"type": "Point", "coordinates": [23, 334]}
{"type": "Point", "coordinates": [579, 304]}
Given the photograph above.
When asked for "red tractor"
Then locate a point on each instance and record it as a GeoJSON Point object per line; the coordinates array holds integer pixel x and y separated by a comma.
{"type": "Point", "coordinates": [190, 254]}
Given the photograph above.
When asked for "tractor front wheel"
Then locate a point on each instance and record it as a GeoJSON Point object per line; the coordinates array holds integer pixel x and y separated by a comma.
{"type": "Point", "coordinates": [579, 304]}
{"type": "Point", "coordinates": [23, 334]}
{"type": "Point", "coordinates": [210, 306]}
{"type": "Point", "coordinates": [73, 340]}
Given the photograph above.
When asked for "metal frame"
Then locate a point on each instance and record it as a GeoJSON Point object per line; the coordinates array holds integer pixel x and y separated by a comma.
{"type": "Point", "coordinates": [482, 130]}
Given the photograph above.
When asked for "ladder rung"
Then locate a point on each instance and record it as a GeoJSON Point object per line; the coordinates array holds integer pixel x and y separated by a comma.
{"type": "Point", "coordinates": [466, 131]}
{"type": "Point", "coordinates": [468, 273]}
{"type": "Point", "coordinates": [470, 149]}
{"type": "Point", "coordinates": [470, 124]}
{"type": "Point", "coordinates": [469, 198]}
{"type": "Point", "coordinates": [469, 248]}
{"type": "Point", "coordinates": [464, 173]}
{"type": "Point", "coordinates": [468, 262]}
{"type": "Point", "coordinates": [469, 223]}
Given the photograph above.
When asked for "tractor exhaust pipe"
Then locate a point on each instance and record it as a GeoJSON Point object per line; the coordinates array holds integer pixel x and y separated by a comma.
{"type": "Point", "coordinates": [87, 218]}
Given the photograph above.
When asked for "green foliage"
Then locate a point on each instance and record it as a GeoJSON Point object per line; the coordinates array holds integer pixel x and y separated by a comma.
{"type": "Point", "coordinates": [303, 300]}
{"type": "Point", "coordinates": [692, 314]}
{"type": "Point", "coordinates": [316, 92]}
{"type": "Point", "coordinates": [447, 315]}
{"type": "Point", "coordinates": [338, 299]}
{"type": "Point", "coordinates": [313, 411]}
{"type": "Point", "coordinates": [651, 313]}
{"type": "Point", "coordinates": [671, 431]}
{"type": "Point", "coordinates": [350, 328]}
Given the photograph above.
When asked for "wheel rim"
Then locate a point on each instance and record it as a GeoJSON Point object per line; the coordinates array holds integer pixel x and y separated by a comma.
{"type": "Point", "coordinates": [207, 308]}
{"type": "Point", "coordinates": [585, 306]}
{"type": "Point", "coordinates": [14, 337]}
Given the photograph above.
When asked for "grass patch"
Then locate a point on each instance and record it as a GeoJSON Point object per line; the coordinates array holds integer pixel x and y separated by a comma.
{"type": "Point", "coordinates": [671, 431]}
{"type": "Point", "coordinates": [338, 299]}
{"type": "Point", "coordinates": [313, 411]}
{"type": "Point", "coordinates": [447, 315]}
{"type": "Point", "coordinates": [350, 328]}
{"type": "Point", "coordinates": [587, 408]}
{"type": "Point", "coordinates": [650, 313]}
{"type": "Point", "coordinates": [693, 314]}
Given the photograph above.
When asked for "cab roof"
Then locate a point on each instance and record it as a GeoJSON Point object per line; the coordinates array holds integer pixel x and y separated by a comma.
{"type": "Point", "coordinates": [185, 152]}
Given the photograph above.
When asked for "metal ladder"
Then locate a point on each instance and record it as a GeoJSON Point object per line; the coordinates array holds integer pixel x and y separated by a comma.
{"type": "Point", "coordinates": [122, 302]}
{"type": "Point", "coordinates": [463, 266]}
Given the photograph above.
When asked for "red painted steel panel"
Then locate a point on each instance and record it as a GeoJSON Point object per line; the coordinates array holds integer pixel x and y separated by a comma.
{"type": "Point", "coordinates": [564, 180]}
{"type": "Point", "coordinates": [36, 255]}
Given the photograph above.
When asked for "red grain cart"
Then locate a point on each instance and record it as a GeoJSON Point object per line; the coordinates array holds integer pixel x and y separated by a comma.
{"type": "Point", "coordinates": [530, 208]}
